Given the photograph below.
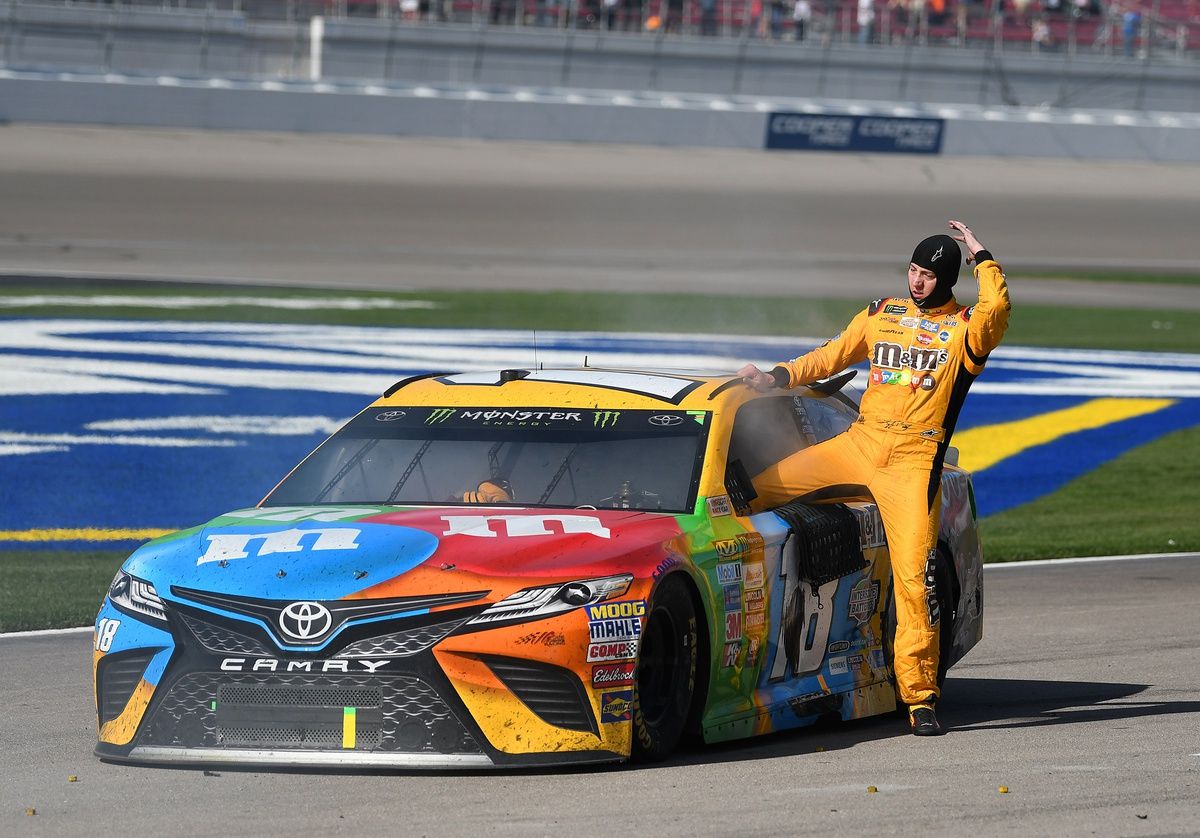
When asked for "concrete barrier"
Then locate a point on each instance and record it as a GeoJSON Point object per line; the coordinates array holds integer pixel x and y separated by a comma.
{"type": "Point", "coordinates": [565, 115]}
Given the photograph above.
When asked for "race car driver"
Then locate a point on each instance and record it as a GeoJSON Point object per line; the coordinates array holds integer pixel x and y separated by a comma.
{"type": "Point", "coordinates": [924, 353]}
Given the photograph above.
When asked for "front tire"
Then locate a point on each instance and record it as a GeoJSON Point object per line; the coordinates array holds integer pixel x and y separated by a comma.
{"type": "Point", "coordinates": [666, 672]}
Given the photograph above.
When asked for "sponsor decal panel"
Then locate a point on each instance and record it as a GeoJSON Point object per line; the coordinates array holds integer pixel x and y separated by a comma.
{"type": "Point", "coordinates": [621, 629]}
{"type": "Point", "coordinates": [616, 706]}
{"type": "Point", "coordinates": [837, 666]}
{"type": "Point", "coordinates": [729, 573]}
{"type": "Point", "coordinates": [838, 646]}
{"type": "Point", "coordinates": [542, 638]}
{"type": "Point", "coordinates": [521, 526]}
{"type": "Point", "coordinates": [755, 600]}
{"type": "Point", "coordinates": [756, 620]}
{"type": "Point", "coordinates": [733, 597]}
{"type": "Point", "coordinates": [752, 650]}
{"type": "Point", "coordinates": [605, 418]}
{"type": "Point", "coordinates": [733, 626]}
{"type": "Point", "coordinates": [719, 506]}
{"type": "Point", "coordinates": [864, 599]}
{"type": "Point", "coordinates": [669, 563]}
{"type": "Point", "coordinates": [729, 657]}
{"type": "Point", "coordinates": [614, 675]}
{"type": "Point", "coordinates": [870, 526]}
{"type": "Point", "coordinates": [612, 651]}
{"type": "Point", "coordinates": [893, 308]}
{"type": "Point", "coordinates": [754, 575]}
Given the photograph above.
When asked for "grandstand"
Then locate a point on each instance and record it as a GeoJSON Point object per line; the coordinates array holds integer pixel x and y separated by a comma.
{"type": "Point", "coordinates": [1163, 27]}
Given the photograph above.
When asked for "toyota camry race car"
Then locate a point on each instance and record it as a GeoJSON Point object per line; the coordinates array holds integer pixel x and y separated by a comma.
{"type": "Point", "coordinates": [520, 568]}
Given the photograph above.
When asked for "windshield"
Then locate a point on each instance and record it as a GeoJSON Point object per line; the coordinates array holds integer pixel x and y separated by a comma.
{"type": "Point", "coordinates": [555, 457]}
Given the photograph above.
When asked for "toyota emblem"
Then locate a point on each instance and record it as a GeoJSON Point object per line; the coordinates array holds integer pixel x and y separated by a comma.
{"type": "Point", "coordinates": [665, 420]}
{"type": "Point", "coordinates": [389, 416]}
{"type": "Point", "coordinates": [305, 620]}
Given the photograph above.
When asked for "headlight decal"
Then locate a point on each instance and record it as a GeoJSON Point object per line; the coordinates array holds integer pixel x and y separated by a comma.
{"type": "Point", "coordinates": [550, 600]}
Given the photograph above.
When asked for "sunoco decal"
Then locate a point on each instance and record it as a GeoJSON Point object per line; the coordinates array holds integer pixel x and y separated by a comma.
{"type": "Point", "coordinates": [616, 706]}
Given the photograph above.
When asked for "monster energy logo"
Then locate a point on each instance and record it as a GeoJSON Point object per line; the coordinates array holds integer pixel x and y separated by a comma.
{"type": "Point", "coordinates": [605, 418]}
{"type": "Point", "coordinates": [439, 415]}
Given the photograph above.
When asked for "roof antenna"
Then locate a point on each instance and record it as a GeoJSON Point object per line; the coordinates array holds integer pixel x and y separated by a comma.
{"type": "Point", "coordinates": [585, 360]}
{"type": "Point", "coordinates": [535, 358]}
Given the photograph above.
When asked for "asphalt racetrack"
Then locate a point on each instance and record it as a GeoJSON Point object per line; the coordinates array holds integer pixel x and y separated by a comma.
{"type": "Point", "coordinates": [406, 213]}
{"type": "Point", "coordinates": [1082, 699]}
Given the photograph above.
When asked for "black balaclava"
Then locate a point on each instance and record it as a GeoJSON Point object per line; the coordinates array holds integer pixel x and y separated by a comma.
{"type": "Point", "coordinates": [941, 255]}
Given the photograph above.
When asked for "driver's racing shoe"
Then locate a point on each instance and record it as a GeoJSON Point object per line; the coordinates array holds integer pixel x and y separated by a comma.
{"type": "Point", "coordinates": [923, 720]}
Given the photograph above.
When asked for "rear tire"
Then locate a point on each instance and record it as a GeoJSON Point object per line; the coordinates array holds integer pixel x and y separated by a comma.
{"type": "Point", "coordinates": [666, 672]}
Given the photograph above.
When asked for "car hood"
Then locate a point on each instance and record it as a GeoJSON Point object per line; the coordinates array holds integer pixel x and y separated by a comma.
{"type": "Point", "coordinates": [327, 554]}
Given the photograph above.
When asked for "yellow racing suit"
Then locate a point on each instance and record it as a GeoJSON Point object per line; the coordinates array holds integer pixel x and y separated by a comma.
{"type": "Point", "coordinates": [922, 363]}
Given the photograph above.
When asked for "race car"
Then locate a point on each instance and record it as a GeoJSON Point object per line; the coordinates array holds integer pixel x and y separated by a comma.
{"type": "Point", "coordinates": [524, 567]}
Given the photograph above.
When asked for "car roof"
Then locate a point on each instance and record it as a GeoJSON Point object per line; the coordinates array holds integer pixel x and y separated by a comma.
{"type": "Point", "coordinates": [591, 387]}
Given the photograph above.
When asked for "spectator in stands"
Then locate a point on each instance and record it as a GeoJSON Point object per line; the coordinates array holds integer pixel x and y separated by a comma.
{"type": "Point", "coordinates": [708, 17]}
{"type": "Point", "coordinates": [1040, 36]}
{"type": "Point", "coordinates": [801, 16]}
{"type": "Point", "coordinates": [866, 21]}
{"type": "Point", "coordinates": [777, 12]}
{"type": "Point", "coordinates": [1131, 22]}
{"type": "Point", "coordinates": [610, 13]}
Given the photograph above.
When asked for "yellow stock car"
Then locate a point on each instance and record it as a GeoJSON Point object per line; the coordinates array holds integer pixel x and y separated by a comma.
{"type": "Point", "coordinates": [519, 568]}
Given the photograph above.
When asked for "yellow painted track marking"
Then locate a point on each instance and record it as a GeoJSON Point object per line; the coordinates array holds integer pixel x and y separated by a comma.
{"type": "Point", "coordinates": [985, 446]}
{"type": "Point", "coordinates": [81, 534]}
{"type": "Point", "coordinates": [349, 726]}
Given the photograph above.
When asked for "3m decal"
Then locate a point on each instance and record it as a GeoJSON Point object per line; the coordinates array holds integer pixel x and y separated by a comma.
{"type": "Point", "coordinates": [106, 632]}
{"type": "Point", "coordinates": [614, 675]}
{"type": "Point", "coordinates": [719, 506]}
{"type": "Point", "coordinates": [864, 599]}
{"type": "Point", "coordinates": [605, 418]}
{"type": "Point", "coordinates": [729, 573]}
{"type": "Point", "coordinates": [230, 546]}
{"type": "Point", "coordinates": [616, 706]}
{"type": "Point", "coordinates": [621, 650]}
{"type": "Point", "coordinates": [521, 526]}
{"type": "Point", "coordinates": [733, 626]}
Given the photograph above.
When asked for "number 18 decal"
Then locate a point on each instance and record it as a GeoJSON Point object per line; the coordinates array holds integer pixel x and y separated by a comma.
{"type": "Point", "coordinates": [106, 630]}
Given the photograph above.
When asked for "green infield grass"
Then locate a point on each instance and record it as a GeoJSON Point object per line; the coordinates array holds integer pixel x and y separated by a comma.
{"type": "Point", "coordinates": [1144, 501]}
{"type": "Point", "coordinates": [1031, 325]}
{"type": "Point", "coordinates": [44, 589]}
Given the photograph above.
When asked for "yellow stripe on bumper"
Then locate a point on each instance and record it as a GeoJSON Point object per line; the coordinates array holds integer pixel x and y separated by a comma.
{"type": "Point", "coordinates": [349, 726]}
{"type": "Point", "coordinates": [979, 448]}
{"type": "Point", "coordinates": [82, 534]}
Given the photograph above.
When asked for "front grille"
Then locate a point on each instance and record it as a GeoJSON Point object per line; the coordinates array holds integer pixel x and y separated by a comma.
{"type": "Point", "coordinates": [117, 676]}
{"type": "Point", "coordinates": [306, 712]}
{"type": "Point", "coordinates": [401, 643]}
{"type": "Point", "coordinates": [217, 638]}
{"type": "Point", "coordinates": [553, 693]}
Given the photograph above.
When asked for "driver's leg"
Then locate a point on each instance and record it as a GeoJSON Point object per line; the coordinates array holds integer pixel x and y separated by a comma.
{"type": "Point", "coordinates": [837, 469]}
